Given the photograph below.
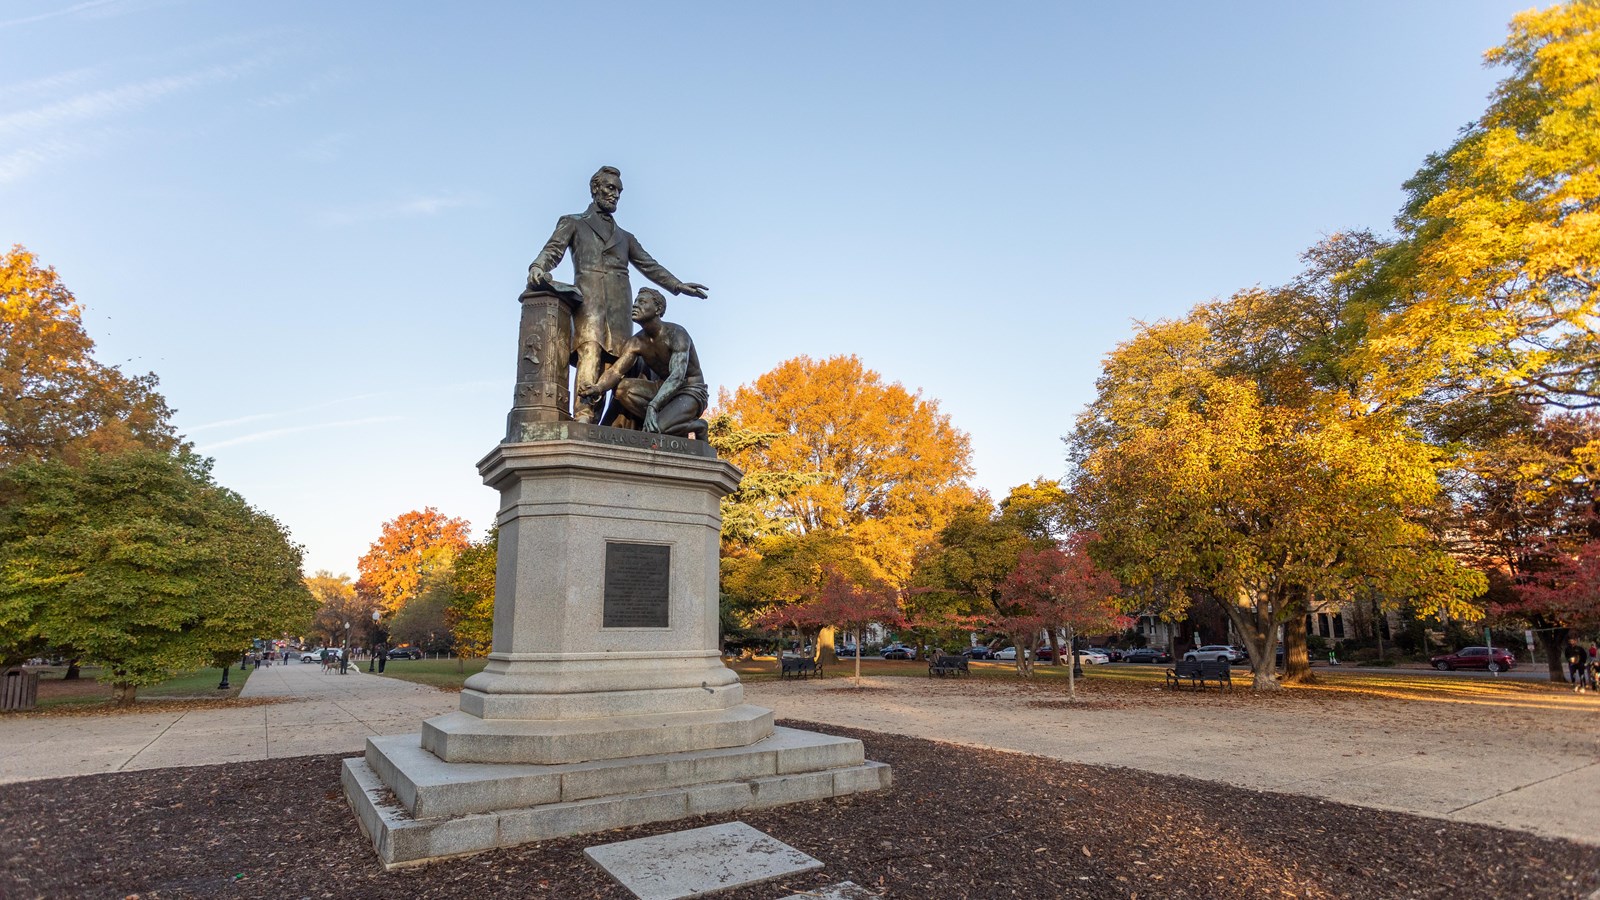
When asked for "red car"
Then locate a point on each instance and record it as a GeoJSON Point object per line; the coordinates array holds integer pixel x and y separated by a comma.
{"type": "Point", "coordinates": [1499, 660]}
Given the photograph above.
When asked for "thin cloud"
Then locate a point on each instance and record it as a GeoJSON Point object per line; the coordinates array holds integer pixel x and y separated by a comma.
{"type": "Point", "coordinates": [294, 429]}
{"type": "Point", "coordinates": [257, 417]}
{"type": "Point", "coordinates": [305, 91]}
{"type": "Point", "coordinates": [413, 207]}
{"type": "Point", "coordinates": [112, 101]}
{"type": "Point", "coordinates": [74, 9]}
{"type": "Point", "coordinates": [48, 84]}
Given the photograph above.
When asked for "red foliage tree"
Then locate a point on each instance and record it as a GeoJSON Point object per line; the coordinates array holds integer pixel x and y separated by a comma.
{"type": "Point", "coordinates": [1058, 591]}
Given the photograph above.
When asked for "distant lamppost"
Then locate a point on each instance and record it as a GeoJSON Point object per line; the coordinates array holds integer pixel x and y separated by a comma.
{"type": "Point", "coordinates": [224, 685]}
{"type": "Point", "coordinates": [373, 659]}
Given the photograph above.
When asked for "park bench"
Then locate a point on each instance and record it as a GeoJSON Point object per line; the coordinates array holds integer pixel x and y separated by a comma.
{"type": "Point", "coordinates": [948, 665]}
{"type": "Point", "coordinates": [1198, 673]}
{"type": "Point", "coordinates": [799, 667]}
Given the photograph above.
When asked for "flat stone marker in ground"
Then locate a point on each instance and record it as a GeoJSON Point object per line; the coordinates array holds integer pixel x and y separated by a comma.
{"type": "Point", "coordinates": [699, 861]}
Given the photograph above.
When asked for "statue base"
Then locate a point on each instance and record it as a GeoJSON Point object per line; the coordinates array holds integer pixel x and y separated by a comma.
{"type": "Point", "coordinates": [605, 702]}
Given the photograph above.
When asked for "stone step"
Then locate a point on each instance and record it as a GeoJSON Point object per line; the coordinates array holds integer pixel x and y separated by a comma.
{"type": "Point", "coordinates": [460, 737]}
{"type": "Point", "coordinates": [427, 787]}
{"type": "Point", "coordinates": [401, 839]}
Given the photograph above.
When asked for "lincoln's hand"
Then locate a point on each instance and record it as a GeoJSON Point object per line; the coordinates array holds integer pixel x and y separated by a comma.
{"type": "Point", "coordinates": [693, 290]}
{"type": "Point", "coordinates": [538, 276]}
{"type": "Point", "coordinates": [590, 392]}
{"type": "Point", "coordinates": [650, 423]}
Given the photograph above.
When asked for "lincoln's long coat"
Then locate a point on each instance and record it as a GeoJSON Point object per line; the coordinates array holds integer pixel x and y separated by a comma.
{"type": "Point", "coordinates": [601, 251]}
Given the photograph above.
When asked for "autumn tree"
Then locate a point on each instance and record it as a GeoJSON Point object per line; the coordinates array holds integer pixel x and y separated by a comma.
{"type": "Point", "coordinates": [338, 603]}
{"type": "Point", "coordinates": [754, 511]}
{"type": "Point", "coordinates": [1060, 590]}
{"type": "Point", "coordinates": [141, 562]}
{"type": "Point", "coordinates": [470, 615]}
{"type": "Point", "coordinates": [1527, 489]}
{"type": "Point", "coordinates": [1207, 475]}
{"type": "Point", "coordinates": [890, 469]}
{"type": "Point", "coordinates": [837, 601]}
{"type": "Point", "coordinates": [56, 400]}
{"type": "Point", "coordinates": [1493, 282]}
{"type": "Point", "coordinates": [783, 570]}
{"type": "Point", "coordinates": [411, 548]}
{"type": "Point", "coordinates": [962, 577]}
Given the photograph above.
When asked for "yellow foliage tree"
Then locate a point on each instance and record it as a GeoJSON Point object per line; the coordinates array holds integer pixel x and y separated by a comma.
{"type": "Point", "coordinates": [890, 469]}
{"type": "Point", "coordinates": [1494, 280]}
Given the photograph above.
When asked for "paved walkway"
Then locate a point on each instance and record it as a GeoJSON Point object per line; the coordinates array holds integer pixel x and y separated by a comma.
{"type": "Point", "coordinates": [334, 714]}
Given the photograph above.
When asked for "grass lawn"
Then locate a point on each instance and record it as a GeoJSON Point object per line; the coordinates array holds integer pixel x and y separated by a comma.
{"type": "Point", "coordinates": [88, 690]}
{"type": "Point", "coordinates": [445, 674]}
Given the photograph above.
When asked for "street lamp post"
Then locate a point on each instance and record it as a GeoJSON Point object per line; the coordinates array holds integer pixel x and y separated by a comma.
{"type": "Point", "coordinates": [373, 659]}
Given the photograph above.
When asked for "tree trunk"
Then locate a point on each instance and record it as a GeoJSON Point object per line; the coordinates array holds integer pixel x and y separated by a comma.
{"type": "Point", "coordinates": [1253, 622]}
{"type": "Point", "coordinates": [1553, 640]}
{"type": "Point", "coordinates": [124, 693]}
{"type": "Point", "coordinates": [1378, 623]}
{"type": "Point", "coordinates": [827, 649]}
{"type": "Point", "coordinates": [1024, 655]}
{"type": "Point", "coordinates": [1296, 664]}
{"type": "Point", "coordinates": [1072, 681]}
{"type": "Point", "coordinates": [461, 663]}
{"type": "Point", "coordinates": [1055, 647]}
{"type": "Point", "coordinates": [72, 670]}
{"type": "Point", "coordinates": [858, 657]}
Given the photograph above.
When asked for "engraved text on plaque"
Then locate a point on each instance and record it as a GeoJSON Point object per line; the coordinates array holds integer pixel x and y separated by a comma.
{"type": "Point", "coordinates": [636, 585]}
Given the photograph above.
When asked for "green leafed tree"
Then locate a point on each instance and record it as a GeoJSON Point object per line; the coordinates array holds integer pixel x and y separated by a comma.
{"type": "Point", "coordinates": [142, 563]}
{"type": "Point", "coordinates": [470, 615]}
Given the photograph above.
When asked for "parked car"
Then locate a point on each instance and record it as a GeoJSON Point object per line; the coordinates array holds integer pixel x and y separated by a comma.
{"type": "Point", "coordinates": [405, 653]}
{"type": "Point", "coordinates": [1044, 654]}
{"type": "Point", "coordinates": [1147, 655]}
{"type": "Point", "coordinates": [843, 650]}
{"type": "Point", "coordinates": [978, 652]}
{"type": "Point", "coordinates": [1216, 652]}
{"type": "Point", "coordinates": [1009, 653]}
{"type": "Point", "coordinates": [1112, 654]}
{"type": "Point", "coordinates": [1093, 657]}
{"type": "Point", "coordinates": [316, 655]}
{"type": "Point", "coordinates": [899, 651]}
{"type": "Point", "coordinates": [1500, 660]}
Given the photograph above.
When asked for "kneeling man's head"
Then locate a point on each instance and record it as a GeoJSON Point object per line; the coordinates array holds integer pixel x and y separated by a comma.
{"type": "Point", "coordinates": [649, 304]}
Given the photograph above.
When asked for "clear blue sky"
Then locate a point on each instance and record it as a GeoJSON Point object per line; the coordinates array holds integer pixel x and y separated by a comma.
{"type": "Point", "coordinates": [312, 219]}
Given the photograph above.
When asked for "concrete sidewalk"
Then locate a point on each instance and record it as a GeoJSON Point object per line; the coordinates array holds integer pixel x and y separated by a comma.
{"type": "Point", "coordinates": [332, 714]}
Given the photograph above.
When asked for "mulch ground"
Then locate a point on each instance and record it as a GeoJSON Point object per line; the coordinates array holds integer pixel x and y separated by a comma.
{"type": "Point", "coordinates": [958, 823]}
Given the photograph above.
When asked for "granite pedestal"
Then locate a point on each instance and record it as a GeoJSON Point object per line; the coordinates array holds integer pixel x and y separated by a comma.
{"type": "Point", "coordinates": [605, 702]}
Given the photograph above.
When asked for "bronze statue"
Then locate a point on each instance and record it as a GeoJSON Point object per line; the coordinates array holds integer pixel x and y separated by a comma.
{"type": "Point", "coordinates": [601, 252]}
{"type": "Point", "coordinates": [671, 405]}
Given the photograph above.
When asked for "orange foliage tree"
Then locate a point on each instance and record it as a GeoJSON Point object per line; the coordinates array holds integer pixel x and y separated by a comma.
{"type": "Point", "coordinates": [890, 469]}
{"type": "Point", "coordinates": [411, 548]}
{"type": "Point", "coordinates": [56, 400]}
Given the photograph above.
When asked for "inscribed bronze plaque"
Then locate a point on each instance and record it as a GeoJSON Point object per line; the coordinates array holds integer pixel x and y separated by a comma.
{"type": "Point", "coordinates": [636, 585]}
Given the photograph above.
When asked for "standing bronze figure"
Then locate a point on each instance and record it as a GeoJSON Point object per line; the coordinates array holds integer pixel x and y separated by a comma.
{"type": "Point", "coordinates": [601, 252]}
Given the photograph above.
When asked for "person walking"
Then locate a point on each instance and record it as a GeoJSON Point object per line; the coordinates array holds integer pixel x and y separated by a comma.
{"type": "Point", "coordinates": [1577, 664]}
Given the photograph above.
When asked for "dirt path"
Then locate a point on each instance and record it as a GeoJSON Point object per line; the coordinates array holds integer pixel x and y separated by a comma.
{"type": "Point", "coordinates": [1507, 754]}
